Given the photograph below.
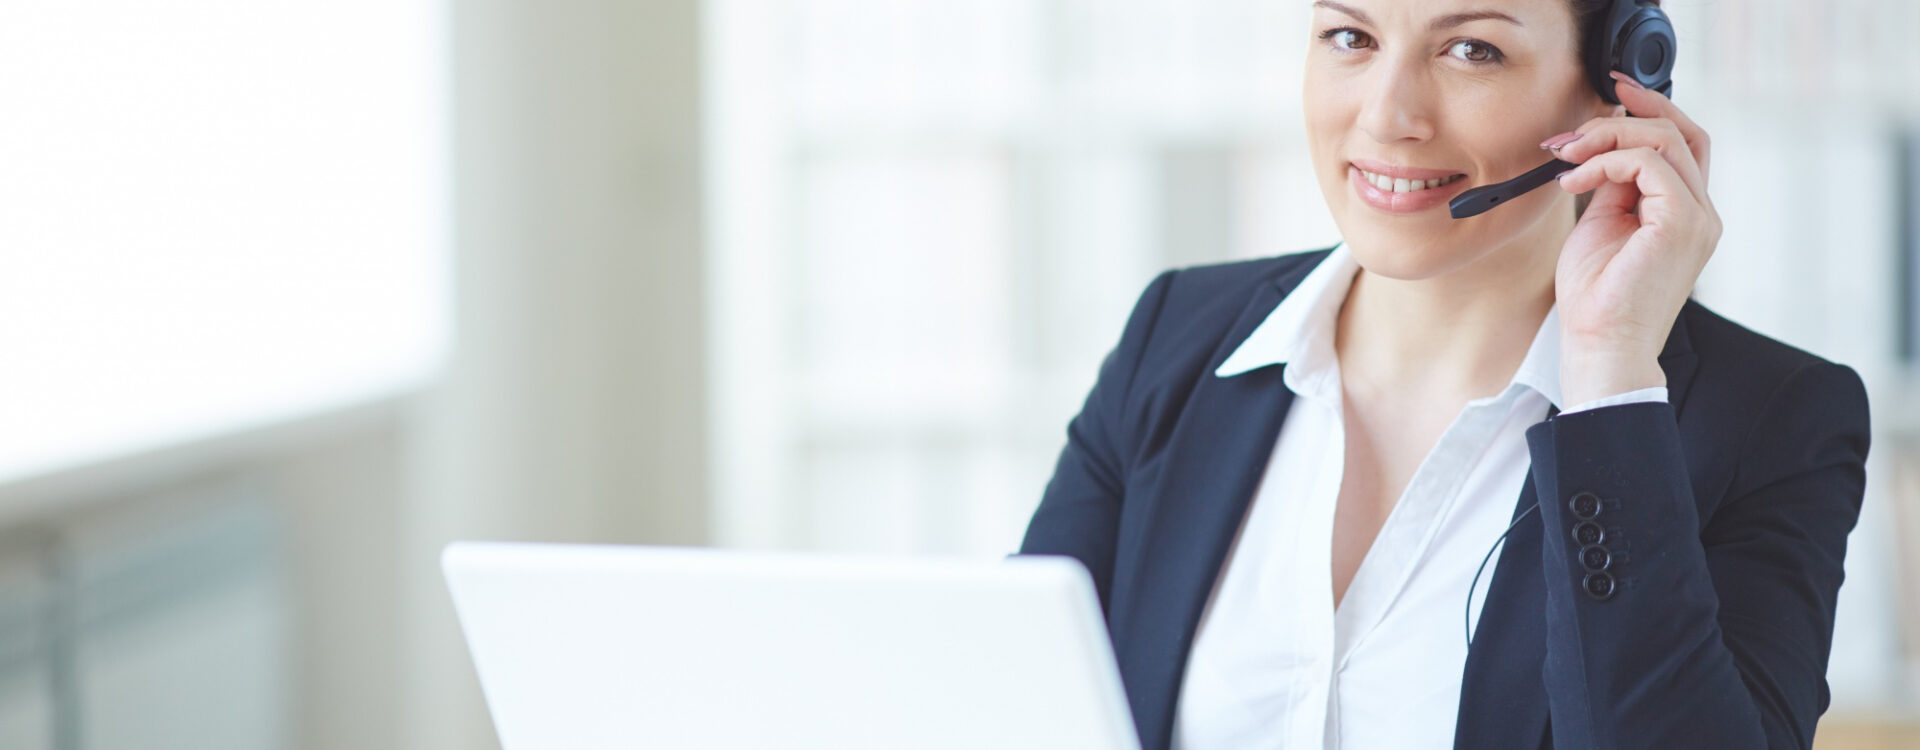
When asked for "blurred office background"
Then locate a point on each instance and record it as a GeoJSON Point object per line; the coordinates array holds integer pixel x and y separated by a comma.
{"type": "Point", "coordinates": [293, 293]}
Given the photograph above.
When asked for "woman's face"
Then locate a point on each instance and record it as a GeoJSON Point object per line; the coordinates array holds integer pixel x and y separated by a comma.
{"type": "Point", "coordinates": [1411, 85]}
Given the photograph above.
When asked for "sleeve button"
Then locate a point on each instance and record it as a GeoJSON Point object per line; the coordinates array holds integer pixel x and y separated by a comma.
{"type": "Point", "coordinates": [1595, 557]}
{"type": "Point", "coordinates": [1588, 532]}
{"type": "Point", "coordinates": [1598, 585]}
{"type": "Point", "coordinates": [1586, 505]}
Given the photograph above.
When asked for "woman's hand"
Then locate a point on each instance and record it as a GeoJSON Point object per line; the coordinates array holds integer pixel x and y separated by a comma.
{"type": "Point", "coordinates": [1634, 256]}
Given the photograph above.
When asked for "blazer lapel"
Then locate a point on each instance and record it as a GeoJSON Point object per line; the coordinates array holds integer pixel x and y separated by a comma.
{"type": "Point", "coordinates": [1502, 701]}
{"type": "Point", "coordinates": [1216, 453]}
{"type": "Point", "coordinates": [1501, 698]}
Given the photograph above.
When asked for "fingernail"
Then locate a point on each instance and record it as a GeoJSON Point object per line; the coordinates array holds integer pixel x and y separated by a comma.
{"type": "Point", "coordinates": [1556, 178]}
{"type": "Point", "coordinates": [1554, 143]}
{"type": "Point", "coordinates": [1627, 79]}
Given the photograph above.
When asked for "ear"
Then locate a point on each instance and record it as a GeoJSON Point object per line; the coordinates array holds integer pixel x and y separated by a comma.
{"type": "Point", "coordinates": [1592, 106]}
{"type": "Point", "coordinates": [1602, 109]}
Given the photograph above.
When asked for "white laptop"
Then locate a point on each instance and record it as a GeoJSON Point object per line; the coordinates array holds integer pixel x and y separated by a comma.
{"type": "Point", "coordinates": [588, 647]}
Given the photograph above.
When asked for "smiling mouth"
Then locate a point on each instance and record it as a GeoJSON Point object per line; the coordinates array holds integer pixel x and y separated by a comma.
{"type": "Point", "coordinates": [1393, 185]}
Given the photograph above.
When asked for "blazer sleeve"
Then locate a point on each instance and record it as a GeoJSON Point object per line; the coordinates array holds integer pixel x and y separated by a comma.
{"type": "Point", "coordinates": [1079, 514]}
{"type": "Point", "coordinates": [1666, 629]}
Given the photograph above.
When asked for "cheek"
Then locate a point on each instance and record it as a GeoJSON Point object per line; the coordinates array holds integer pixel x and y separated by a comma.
{"type": "Point", "coordinates": [1501, 134]}
{"type": "Point", "coordinates": [1327, 116]}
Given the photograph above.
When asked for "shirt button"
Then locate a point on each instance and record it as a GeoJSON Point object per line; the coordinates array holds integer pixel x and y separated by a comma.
{"type": "Point", "coordinates": [1600, 586]}
{"type": "Point", "coordinates": [1588, 532]}
{"type": "Point", "coordinates": [1595, 557]}
{"type": "Point", "coordinates": [1586, 505]}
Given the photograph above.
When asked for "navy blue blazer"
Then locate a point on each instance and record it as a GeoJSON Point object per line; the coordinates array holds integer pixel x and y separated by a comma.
{"type": "Point", "coordinates": [1724, 513]}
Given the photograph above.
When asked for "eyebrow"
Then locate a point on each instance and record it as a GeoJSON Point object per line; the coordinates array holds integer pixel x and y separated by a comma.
{"type": "Point", "coordinates": [1444, 22]}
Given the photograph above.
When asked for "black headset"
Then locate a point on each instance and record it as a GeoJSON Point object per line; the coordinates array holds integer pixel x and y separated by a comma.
{"type": "Point", "coordinates": [1635, 38]}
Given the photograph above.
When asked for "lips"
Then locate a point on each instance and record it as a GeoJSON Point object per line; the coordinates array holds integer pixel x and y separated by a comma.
{"type": "Point", "coordinates": [1388, 201]}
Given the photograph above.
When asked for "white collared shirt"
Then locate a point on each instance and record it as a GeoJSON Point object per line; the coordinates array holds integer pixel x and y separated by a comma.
{"type": "Point", "coordinates": [1274, 664]}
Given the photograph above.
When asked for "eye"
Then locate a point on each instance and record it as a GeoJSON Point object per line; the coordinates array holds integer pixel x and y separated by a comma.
{"type": "Point", "coordinates": [1476, 51]}
{"type": "Point", "coordinates": [1347, 33]}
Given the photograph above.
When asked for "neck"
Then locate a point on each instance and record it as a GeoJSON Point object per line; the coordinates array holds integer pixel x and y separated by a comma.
{"type": "Point", "coordinates": [1456, 336]}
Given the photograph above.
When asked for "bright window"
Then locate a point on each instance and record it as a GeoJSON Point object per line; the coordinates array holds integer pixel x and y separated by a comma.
{"type": "Point", "coordinates": [213, 213]}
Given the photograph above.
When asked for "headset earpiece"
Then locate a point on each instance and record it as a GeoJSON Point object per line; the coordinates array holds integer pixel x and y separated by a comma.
{"type": "Point", "coordinates": [1637, 40]}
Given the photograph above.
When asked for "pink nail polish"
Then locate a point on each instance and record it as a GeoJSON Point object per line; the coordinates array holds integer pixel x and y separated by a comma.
{"type": "Point", "coordinates": [1554, 143]}
{"type": "Point", "coordinates": [1627, 79]}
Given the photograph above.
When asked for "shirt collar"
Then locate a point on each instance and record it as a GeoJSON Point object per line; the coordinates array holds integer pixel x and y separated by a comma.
{"type": "Point", "coordinates": [1300, 331]}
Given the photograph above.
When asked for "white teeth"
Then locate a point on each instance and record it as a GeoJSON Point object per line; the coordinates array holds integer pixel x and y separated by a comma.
{"type": "Point", "coordinates": [1396, 185]}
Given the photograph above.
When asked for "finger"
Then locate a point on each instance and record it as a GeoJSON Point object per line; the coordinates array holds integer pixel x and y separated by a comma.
{"type": "Point", "coordinates": [1643, 102]}
{"type": "Point", "coordinates": [1610, 199]}
{"type": "Point", "coordinates": [1662, 135]}
{"type": "Point", "coordinates": [1664, 197]}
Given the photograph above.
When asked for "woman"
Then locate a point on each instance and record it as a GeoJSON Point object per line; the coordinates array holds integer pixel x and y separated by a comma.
{"type": "Point", "coordinates": [1290, 471]}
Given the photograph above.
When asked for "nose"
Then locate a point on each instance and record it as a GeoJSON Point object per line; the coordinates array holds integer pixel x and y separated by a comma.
{"type": "Point", "coordinates": [1397, 103]}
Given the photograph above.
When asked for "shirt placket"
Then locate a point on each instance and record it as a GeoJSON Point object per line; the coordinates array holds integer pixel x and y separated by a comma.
{"type": "Point", "coordinates": [1408, 534]}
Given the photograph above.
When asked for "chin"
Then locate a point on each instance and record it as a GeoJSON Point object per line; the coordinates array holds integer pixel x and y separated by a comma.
{"type": "Point", "coordinates": [1404, 266]}
{"type": "Point", "coordinates": [1398, 255]}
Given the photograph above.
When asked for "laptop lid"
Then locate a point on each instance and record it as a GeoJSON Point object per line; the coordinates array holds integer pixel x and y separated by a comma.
{"type": "Point", "coordinates": [587, 647]}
